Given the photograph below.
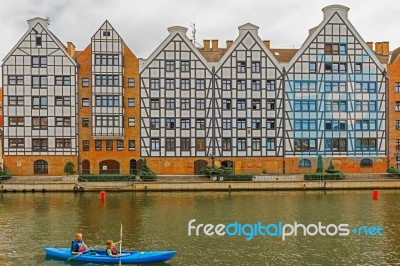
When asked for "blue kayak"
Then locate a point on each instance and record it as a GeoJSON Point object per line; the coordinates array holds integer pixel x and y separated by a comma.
{"type": "Point", "coordinates": [100, 256]}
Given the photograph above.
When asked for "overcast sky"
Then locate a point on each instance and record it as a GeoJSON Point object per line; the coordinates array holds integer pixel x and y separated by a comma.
{"type": "Point", "coordinates": [143, 23]}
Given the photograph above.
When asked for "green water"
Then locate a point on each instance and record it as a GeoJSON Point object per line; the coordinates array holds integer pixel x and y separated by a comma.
{"type": "Point", "coordinates": [159, 221]}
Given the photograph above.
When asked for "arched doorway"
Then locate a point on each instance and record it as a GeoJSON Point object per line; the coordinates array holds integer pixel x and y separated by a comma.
{"type": "Point", "coordinates": [40, 167]}
{"type": "Point", "coordinates": [228, 164]}
{"type": "Point", "coordinates": [109, 167]}
{"type": "Point", "coordinates": [85, 167]}
{"type": "Point", "coordinates": [133, 167]}
{"type": "Point", "coordinates": [198, 165]}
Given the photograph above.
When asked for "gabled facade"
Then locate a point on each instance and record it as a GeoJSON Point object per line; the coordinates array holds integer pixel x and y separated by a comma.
{"type": "Point", "coordinates": [108, 105]}
{"type": "Point", "coordinates": [40, 96]}
{"type": "Point", "coordinates": [335, 94]}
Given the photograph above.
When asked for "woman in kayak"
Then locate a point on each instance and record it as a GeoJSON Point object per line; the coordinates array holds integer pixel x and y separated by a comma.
{"type": "Point", "coordinates": [77, 245]}
{"type": "Point", "coordinates": [111, 250]}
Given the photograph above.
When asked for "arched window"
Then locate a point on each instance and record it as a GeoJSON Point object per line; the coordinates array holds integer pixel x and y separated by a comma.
{"type": "Point", "coordinates": [133, 167]}
{"type": "Point", "coordinates": [85, 167]}
{"type": "Point", "coordinates": [366, 163]}
{"type": "Point", "coordinates": [304, 163]}
{"type": "Point", "coordinates": [40, 167]}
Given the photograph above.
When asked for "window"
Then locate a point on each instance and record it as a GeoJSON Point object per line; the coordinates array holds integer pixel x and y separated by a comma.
{"type": "Point", "coordinates": [270, 123]}
{"type": "Point", "coordinates": [335, 67]}
{"type": "Point", "coordinates": [241, 67]}
{"type": "Point", "coordinates": [397, 124]}
{"type": "Point", "coordinates": [397, 86]}
{"type": "Point", "coordinates": [39, 81]}
{"type": "Point", "coordinates": [170, 144]}
{"type": "Point", "coordinates": [312, 67]}
{"type": "Point", "coordinates": [226, 144]}
{"type": "Point", "coordinates": [39, 122]}
{"type": "Point", "coordinates": [301, 105]}
{"type": "Point", "coordinates": [304, 163]}
{"type": "Point", "coordinates": [16, 143]}
{"type": "Point", "coordinates": [39, 144]}
{"type": "Point", "coordinates": [305, 86]}
{"type": "Point", "coordinates": [131, 82]}
{"type": "Point", "coordinates": [107, 121]}
{"type": "Point", "coordinates": [241, 104]}
{"type": "Point", "coordinates": [342, 48]}
{"type": "Point", "coordinates": [365, 105]}
{"type": "Point", "coordinates": [335, 87]}
{"type": "Point", "coordinates": [154, 123]}
{"type": "Point", "coordinates": [365, 87]}
{"type": "Point", "coordinates": [200, 144]}
{"type": "Point", "coordinates": [16, 121]}
{"type": "Point", "coordinates": [107, 59]}
{"type": "Point", "coordinates": [15, 80]}
{"type": "Point", "coordinates": [131, 102]}
{"type": "Point", "coordinates": [106, 33]}
{"type": "Point", "coordinates": [85, 145]}
{"type": "Point", "coordinates": [336, 144]}
{"type": "Point", "coordinates": [154, 144]}
{"type": "Point", "coordinates": [241, 123]}
{"type": "Point", "coordinates": [39, 42]}
{"type": "Point", "coordinates": [63, 143]}
{"type": "Point", "coordinates": [305, 144]}
{"type": "Point", "coordinates": [169, 66]}
{"type": "Point", "coordinates": [170, 84]}
{"type": "Point", "coordinates": [170, 104]}
{"type": "Point", "coordinates": [256, 123]}
{"type": "Point", "coordinates": [335, 48]}
{"type": "Point", "coordinates": [358, 68]}
{"type": "Point", "coordinates": [200, 84]}
{"type": "Point", "coordinates": [365, 144]}
{"type": "Point", "coordinates": [226, 123]}
{"type": "Point", "coordinates": [40, 167]}
{"type": "Point", "coordinates": [335, 125]}
{"type": "Point", "coordinates": [85, 122]}
{"type": "Point", "coordinates": [241, 144]}
{"type": "Point", "coordinates": [185, 144]}
{"type": "Point", "coordinates": [63, 121]}
{"type": "Point", "coordinates": [270, 104]}
{"type": "Point", "coordinates": [256, 104]}
{"type": "Point", "coordinates": [226, 84]}
{"type": "Point", "coordinates": [255, 67]}
{"type": "Point", "coordinates": [63, 100]}
{"type": "Point", "coordinates": [85, 102]}
{"type": "Point", "coordinates": [366, 163]}
{"type": "Point", "coordinates": [185, 123]}
{"type": "Point", "coordinates": [365, 124]}
{"type": "Point", "coordinates": [270, 144]}
{"type": "Point", "coordinates": [397, 106]}
{"type": "Point", "coordinates": [170, 123]}
{"type": "Point", "coordinates": [336, 106]}
{"type": "Point", "coordinates": [200, 123]}
{"type": "Point", "coordinates": [131, 144]}
{"type": "Point", "coordinates": [226, 104]}
{"type": "Point", "coordinates": [155, 104]}
{"type": "Point", "coordinates": [107, 100]}
{"type": "Point", "coordinates": [98, 145]}
{"type": "Point", "coordinates": [62, 80]}
{"type": "Point", "coordinates": [256, 85]}
{"type": "Point", "coordinates": [185, 104]}
{"type": "Point", "coordinates": [185, 66]}
{"type": "Point", "coordinates": [85, 82]}
{"type": "Point", "coordinates": [39, 61]}
{"type": "Point", "coordinates": [131, 122]}
{"type": "Point", "coordinates": [241, 84]}
{"type": "Point", "coordinates": [256, 144]}
{"type": "Point", "coordinates": [185, 84]}
{"type": "Point", "coordinates": [270, 85]}
{"type": "Point", "coordinates": [107, 80]}
{"type": "Point", "coordinates": [120, 145]}
{"type": "Point", "coordinates": [39, 102]}
{"type": "Point", "coordinates": [109, 145]}
{"type": "Point", "coordinates": [200, 104]}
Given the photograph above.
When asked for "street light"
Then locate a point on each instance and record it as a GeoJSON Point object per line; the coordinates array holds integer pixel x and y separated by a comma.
{"type": "Point", "coordinates": [212, 156]}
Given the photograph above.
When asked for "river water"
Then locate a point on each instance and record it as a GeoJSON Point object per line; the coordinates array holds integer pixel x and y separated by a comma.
{"type": "Point", "coordinates": [159, 221]}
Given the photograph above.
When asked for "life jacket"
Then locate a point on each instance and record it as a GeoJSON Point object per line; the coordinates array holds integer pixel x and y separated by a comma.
{"type": "Point", "coordinates": [81, 246]}
{"type": "Point", "coordinates": [114, 250]}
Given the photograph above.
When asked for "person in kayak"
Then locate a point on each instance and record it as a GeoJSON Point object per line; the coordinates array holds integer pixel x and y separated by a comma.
{"type": "Point", "coordinates": [77, 245]}
{"type": "Point", "coordinates": [111, 250]}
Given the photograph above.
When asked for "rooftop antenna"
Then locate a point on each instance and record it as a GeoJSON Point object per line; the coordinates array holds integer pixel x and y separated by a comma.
{"type": "Point", "coordinates": [193, 26]}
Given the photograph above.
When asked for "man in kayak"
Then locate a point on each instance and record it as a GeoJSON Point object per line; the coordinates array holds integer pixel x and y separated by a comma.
{"type": "Point", "coordinates": [77, 245]}
{"type": "Point", "coordinates": [111, 250]}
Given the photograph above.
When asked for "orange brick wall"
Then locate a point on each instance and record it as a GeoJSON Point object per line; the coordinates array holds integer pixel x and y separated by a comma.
{"type": "Point", "coordinates": [394, 134]}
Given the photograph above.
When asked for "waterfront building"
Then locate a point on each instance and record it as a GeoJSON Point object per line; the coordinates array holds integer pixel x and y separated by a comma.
{"type": "Point", "coordinates": [394, 107]}
{"type": "Point", "coordinates": [109, 123]}
{"type": "Point", "coordinates": [39, 103]}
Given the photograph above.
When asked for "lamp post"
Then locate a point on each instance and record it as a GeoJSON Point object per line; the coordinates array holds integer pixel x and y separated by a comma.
{"type": "Point", "coordinates": [212, 156]}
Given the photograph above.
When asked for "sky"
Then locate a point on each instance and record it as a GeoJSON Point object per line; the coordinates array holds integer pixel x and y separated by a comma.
{"type": "Point", "coordinates": [143, 24]}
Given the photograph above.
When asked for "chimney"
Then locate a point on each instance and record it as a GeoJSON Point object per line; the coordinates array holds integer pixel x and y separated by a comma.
{"type": "Point", "coordinates": [267, 43]}
{"type": "Point", "coordinates": [214, 46]}
{"type": "Point", "coordinates": [206, 45]}
{"type": "Point", "coordinates": [385, 48]}
{"type": "Point", "coordinates": [329, 11]}
{"type": "Point", "coordinates": [229, 44]}
{"type": "Point", "coordinates": [71, 49]}
{"type": "Point", "coordinates": [378, 48]}
{"type": "Point", "coordinates": [371, 45]}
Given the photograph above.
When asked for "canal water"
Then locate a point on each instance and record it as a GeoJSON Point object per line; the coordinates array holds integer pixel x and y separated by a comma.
{"type": "Point", "coordinates": [159, 221]}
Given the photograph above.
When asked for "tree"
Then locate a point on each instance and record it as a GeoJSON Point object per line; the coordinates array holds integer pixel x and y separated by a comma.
{"type": "Point", "coordinates": [69, 168]}
{"type": "Point", "coordinates": [331, 168]}
{"type": "Point", "coordinates": [146, 173]}
{"type": "Point", "coordinates": [320, 164]}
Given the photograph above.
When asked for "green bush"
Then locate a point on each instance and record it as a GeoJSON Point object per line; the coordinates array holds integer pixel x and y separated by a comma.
{"type": "Point", "coordinates": [69, 168]}
{"type": "Point", "coordinates": [392, 170]}
{"type": "Point", "coordinates": [145, 173]}
{"type": "Point", "coordinates": [239, 177]}
{"type": "Point", "coordinates": [218, 171]}
{"type": "Point", "coordinates": [105, 178]}
{"type": "Point", "coordinates": [320, 164]}
{"type": "Point", "coordinates": [322, 176]}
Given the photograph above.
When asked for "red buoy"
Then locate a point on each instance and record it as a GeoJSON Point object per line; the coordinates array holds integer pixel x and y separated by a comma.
{"type": "Point", "coordinates": [375, 195]}
{"type": "Point", "coordinates": [102, 195]}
